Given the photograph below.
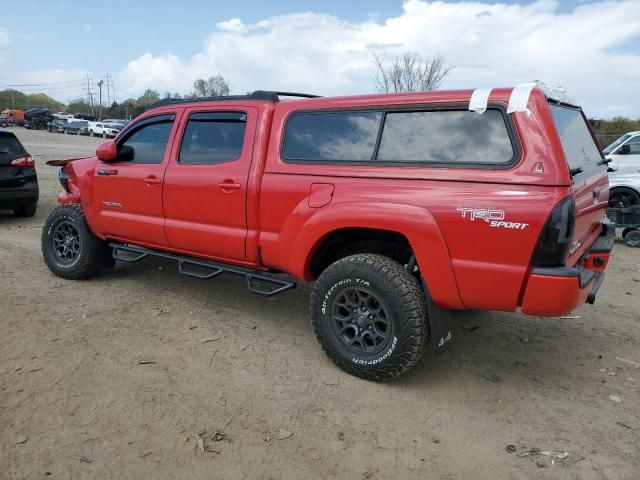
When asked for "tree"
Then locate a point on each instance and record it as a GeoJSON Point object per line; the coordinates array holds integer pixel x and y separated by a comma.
{"type": "Point", "coordinates": [10, 98]}
{"type": "Point", "coordinates": [79, 105]}
{"type": "Point", "coordinates": [609, 130]}
{"type": "Point", "coordinates": [215, 86]}
{"type": "Point", "coordinates": [409, 73]}
{"type": "Point", "coordinates": [148, 97]}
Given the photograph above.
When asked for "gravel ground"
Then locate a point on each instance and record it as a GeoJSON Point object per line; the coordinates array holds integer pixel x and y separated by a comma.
{"type": "Point", "coordinates": [116, 377]}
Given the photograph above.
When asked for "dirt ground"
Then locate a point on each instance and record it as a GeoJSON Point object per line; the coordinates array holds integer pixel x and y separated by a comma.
{"type": "Point", "coordinates": [115, 377]}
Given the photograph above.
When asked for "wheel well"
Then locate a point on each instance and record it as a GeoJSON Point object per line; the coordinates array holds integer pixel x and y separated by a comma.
{"type": "Point", "coordinates": [349, 241]}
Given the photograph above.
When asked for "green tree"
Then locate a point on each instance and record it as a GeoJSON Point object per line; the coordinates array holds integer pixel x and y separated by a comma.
{"type": "Point", "coordinates": [215, 86]}
{"type": "Point", "coordinates": [147, 98]}
{"type": "Point", "coordinates": [79, 105]}
{"type": "Point", "coordinates": [608, 131]}
{"type": "Point", "coordinates": [11, 98]}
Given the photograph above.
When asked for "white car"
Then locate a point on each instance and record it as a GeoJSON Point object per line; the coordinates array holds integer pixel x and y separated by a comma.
{"type": "Point", "coordinates": [104, 130]}
{"type": "Point", "coordinates": [624, 153]}
{"type": "Point", "coordinates": [62, 115]}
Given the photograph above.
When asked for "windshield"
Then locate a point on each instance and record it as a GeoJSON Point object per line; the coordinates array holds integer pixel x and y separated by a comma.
{"type": "Point", "coordinates": [617, 143]}
{"type": "Point", "coordinates": [578, 144]}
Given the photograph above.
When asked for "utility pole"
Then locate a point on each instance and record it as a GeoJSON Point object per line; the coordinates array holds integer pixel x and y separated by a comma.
{"type": "Point", "coordinates": [89, 95]}
{"type": "Point", "coordinates": [108, 92]}
{"type": "Point", "coordinates": [100, 104]}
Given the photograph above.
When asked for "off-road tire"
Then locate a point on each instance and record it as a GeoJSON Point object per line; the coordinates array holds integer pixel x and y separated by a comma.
{"type": "Point", "coordinates": [398, 291]}
{"type": "Point", "coordinates": [94, 254]}
{"type": "Point", "coordinates": [26, 210]}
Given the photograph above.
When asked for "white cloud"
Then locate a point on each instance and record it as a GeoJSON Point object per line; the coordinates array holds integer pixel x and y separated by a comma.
{"type": "Point", "coordinates": [490, 45]}
{"type": "Point", "coordinates": [87, 27]}
{"type": "Point", "coordinates": [235, 25]}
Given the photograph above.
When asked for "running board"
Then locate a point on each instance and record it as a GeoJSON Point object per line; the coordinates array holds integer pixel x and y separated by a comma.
{"type": "Point", "coordinates": [257, 282]}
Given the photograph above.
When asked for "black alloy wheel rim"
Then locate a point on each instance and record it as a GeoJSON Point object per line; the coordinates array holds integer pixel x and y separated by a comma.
{"type": "Point", "coordinates": [621, 197]}
{"type": "Point", "coordinates": [361, 321]}
{"type": "Point", "coordinates": [66, 242]}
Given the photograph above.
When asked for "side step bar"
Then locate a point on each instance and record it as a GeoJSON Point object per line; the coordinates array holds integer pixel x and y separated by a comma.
{"type": "Point", "coordinates": [257, 282]}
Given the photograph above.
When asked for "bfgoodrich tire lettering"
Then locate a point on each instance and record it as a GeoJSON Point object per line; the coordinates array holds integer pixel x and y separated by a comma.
{"type": "Point", "coordinates": [384, 298]}
{"type": "Point", "coordinates": [91, 253]}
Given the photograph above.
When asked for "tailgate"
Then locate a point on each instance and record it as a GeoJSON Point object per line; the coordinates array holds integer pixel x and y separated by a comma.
{"type": "Point", "coordinates": [589, 173]}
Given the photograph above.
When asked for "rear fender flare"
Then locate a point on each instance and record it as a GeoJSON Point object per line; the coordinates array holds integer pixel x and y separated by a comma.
{"type": "Point", "coordinates": [417, 224]}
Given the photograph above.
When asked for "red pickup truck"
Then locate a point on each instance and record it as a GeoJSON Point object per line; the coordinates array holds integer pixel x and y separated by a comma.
{"type": "Point", "coordinates": [400, 207]}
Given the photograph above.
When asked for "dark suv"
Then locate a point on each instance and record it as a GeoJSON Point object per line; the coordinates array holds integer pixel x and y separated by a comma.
{"type": "Point", "coordinates": [18, 181]}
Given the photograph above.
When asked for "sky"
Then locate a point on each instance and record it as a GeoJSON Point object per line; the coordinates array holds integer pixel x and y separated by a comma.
{"type": "Point", "coordinates": [591, 48]}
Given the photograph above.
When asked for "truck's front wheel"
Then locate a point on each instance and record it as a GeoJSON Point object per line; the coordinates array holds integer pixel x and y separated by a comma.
{"type": "Point", "coordinates": [370, 317]}
{"type": "Point", "coordinates": [69, 247]}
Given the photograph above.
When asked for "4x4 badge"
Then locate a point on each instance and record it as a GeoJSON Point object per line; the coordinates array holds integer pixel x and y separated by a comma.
{"type": "Point", "coordinates": [494, 217]}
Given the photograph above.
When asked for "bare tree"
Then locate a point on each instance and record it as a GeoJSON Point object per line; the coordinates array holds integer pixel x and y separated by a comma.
{"type": "Point", "coordinates": [215, 86]}
{"type": "Point", "coordinates": [409, 73]}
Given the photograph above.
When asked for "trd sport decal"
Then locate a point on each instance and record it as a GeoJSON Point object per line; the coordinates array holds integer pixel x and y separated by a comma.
{"type": "Point", "coordinates": [495, 218]}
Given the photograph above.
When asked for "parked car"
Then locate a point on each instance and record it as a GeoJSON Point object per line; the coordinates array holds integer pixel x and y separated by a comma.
{"type": "Point", "coordinates": [82, 126]}
{"type": "Point", "coordinates": [18, 179]}
{"type": "Point", "coordinates": [104, 130]}
{"type": "Point", "coordinates": [58, 126]}
{"type": "Point", "coordinates": [624, 189]}
{"type": "Point", "coordinates": [624, 153]}
{"type": "Point", "coordinates": [399, 206]}
{"type": "Point", "coordinates": [117, 121]}
{"type": "Point", "coordinates": [84, 116]}
{"type": "Point", "coordinates": [62, 115]}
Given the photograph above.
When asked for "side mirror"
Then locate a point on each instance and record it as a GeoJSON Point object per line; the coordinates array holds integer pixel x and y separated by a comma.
{"type": "Point", "coordinates": [107, 151]}
{"type": "Point", "coordinates": [624, 150]}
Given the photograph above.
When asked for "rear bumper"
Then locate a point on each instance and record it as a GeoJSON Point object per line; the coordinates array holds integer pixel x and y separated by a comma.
{"type": "Point", "coordinates": [11, 197]}
{"type": "Point", "coordinates": [553, 291]}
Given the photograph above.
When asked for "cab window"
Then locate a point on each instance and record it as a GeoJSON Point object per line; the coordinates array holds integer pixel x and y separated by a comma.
{"type": "Point", "coordinates": [213, 137]}
{"type": "Point", "coordinates": [147, 144]}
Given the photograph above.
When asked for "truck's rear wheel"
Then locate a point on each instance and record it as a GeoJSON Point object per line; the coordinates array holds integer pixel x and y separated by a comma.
{"type": "Point", "coordinates": [369, 315]}
{"type": "Point", "coordinates": [69, 248]}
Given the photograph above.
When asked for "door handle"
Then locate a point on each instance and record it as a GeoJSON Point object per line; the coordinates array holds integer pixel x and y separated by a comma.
{"type": "Point", "coordinates": [152, 180]}
{"type": "Point", "coordinates": [107, 171]}
{"type": "Point", "coordinates": [229, 185]}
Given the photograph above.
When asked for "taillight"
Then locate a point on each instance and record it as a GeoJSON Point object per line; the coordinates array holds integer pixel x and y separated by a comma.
{"type": "Point", "coordinates": [64, 179]}
{"type": "Point", "coordinates": [554, 242]}
{"type": "Point", "coordinates": [23, 162]}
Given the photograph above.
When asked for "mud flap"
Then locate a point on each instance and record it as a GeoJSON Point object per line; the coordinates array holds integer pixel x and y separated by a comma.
{"type": "Point", "coordinates": [439, 323]}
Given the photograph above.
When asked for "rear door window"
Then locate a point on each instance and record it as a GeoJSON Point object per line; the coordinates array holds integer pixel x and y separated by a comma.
{"type": "Point", "coordinates": [212, 138]}
{"type": "Point", "coordinates": [580, 148]}
{"type": "Point", "coordinates": [449, 137]}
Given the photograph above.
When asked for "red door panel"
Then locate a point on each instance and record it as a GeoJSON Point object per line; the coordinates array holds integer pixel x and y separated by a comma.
{"type": "Point", "coordinates": [128, 193]}
{"type": "Point", "coordinates": [205, 203]}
